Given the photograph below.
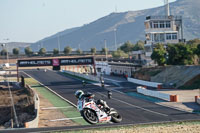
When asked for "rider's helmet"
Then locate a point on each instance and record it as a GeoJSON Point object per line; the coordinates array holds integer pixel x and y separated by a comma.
{"type": "Point", "coordinates": [79, 93]}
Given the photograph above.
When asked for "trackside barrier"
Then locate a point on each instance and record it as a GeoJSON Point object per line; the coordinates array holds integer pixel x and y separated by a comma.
{"type": "Point", "coordinates": [145, 83]}
{"type": "Point", "coordinates": [35, 121]}
{"type": "Point", "coordinates": [197, 99]}
{"type": "Point", "coordinates": [167, 97]}
{"type": "Point", "coordinates": [2, 72]}
{"type": "Point", "coordinates": [89, 77]}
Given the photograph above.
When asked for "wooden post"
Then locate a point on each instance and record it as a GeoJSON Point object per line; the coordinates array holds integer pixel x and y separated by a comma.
{"type": "Point", "coordinates": [17, 72]}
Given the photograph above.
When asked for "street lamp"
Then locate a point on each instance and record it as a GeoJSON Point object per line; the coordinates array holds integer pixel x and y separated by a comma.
{"type": "Point", "coordinates": [115, 30]}
{"type": "Point", "coordinates": [58, 43]}
{"type": "Point", "coordinates": [4, 46]}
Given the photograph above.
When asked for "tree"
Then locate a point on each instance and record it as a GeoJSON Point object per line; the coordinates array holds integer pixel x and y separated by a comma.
{"type": "Point", "coordinates": [79, 51]}
{"type": "Point", "coordinates": [55, 51]}
{"type": "Point", "coordinates": [3, 52]}
{"type": "Point", "coordinates": [127, 47]}
{"type": "Point", "coordinates": [28, 51]}
{"type": "Point", "coordinates": [159, 54]}
{"type": "Point", "coordinates": [119, 54]}
{"type": "Point", "coordinates": [138, 46]}
{"type": "Point", "coordinates": [194, 42]}
{"type": "Point", "coordinates": [67, 50]}
{"type": "Point", "coordinates": [198, 50]}
{"type": "Point", "coordinates": [104, 51]}
{"type": "Point", "coordinates": [180, 54]}
{"type": "Point", "coordinates": [16, 51]}
{"type": "Point", "coordinates": [93, 51]}
{"type": "Point", "coordinates": [42, 51]}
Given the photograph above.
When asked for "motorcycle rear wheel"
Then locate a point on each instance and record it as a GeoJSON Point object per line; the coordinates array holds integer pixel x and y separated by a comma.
{"type": "Point", "coordinates": [89, 116]}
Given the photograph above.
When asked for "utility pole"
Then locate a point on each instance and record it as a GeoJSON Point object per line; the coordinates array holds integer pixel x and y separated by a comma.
{"type": "Point", "coordinates": [167, 11]}
{"type": "Point", "coordinates": [105, 46]}
{"type": "Point", "coordinates": [58, 43]}
{"type": "Point", "coordinates": [115, 36]}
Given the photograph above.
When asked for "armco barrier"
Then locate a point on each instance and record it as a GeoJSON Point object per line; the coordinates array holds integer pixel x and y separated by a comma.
{"type": "Point", "coordinates": [167, 97]}
{"type": "Point", "coordinates": [35, 121]}
{"type": "Point", "coordinates": [89, 77]}
{"type": "Point", "coordinates": [145, 83]}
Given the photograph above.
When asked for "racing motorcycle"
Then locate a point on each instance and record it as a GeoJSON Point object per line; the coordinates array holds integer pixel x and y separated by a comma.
{"type": "Point", "coordinates": [94, 112]}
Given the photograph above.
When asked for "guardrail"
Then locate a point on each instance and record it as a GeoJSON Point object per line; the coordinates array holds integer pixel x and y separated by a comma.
{"type": "Point", "coordinates": [35, 121]}
{"type": "Point", "coordinates": [157, 94]}
{"type": "Point", "coordinates": [88, 77]}
{"type": "Point", "coordinates": [145, 83]}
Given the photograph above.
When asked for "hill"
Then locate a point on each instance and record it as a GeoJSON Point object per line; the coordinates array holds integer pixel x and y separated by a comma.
{"type": "Point", "coordinates": [129, 26]}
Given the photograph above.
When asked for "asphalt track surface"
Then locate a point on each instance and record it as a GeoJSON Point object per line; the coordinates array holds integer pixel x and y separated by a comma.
{"type": "Point", "coordinates": [132, 109]}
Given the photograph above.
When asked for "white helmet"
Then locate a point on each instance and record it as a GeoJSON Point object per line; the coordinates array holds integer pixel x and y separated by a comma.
{"type": "Point", "coordinates": [79, 93]}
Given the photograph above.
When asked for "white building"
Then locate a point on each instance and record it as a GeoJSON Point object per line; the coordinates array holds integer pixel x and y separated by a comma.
{"type": "Point", "coordinates": [103, 67]}
{"type": "Point", "coordinates": [162, 29]}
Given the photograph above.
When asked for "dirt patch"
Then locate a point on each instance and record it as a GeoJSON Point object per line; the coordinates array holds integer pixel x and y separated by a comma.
{"type": "Point", "coordinates": [24, 105]}
{"type": "Point", "coordinates": [147, 73]}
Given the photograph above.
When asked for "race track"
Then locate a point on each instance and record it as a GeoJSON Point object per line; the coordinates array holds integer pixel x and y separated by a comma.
{"type": "Point", "coordinates": [132, 109]}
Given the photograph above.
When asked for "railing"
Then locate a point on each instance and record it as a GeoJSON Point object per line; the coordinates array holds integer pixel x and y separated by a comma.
{"type": "Point", "coordinates": [164, 17]}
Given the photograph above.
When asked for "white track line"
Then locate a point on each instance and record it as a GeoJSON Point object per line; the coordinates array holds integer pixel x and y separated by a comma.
{"type": "Point", "coordinates": [64, 119]}
{"type": "Point", "coordinates": [49, 108]}
{"type": "Point", "coordinates": [113, 80]}
{"type": "Point", "coordinates": [136, 106]}
{"type": "Point", "coordinates": [99, 84]}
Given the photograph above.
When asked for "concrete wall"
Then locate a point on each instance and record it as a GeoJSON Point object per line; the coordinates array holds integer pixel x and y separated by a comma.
{"type": "Point", "coordinates": [152, 93]}
{"type": "Point", "coordinates": [35, 121]}
{"type": "Point", "coordinates": [198, 101]}
{"type": "Point", "coordinates": [89, 77]}
{"type": "Point", "coordinates": [145, 83]}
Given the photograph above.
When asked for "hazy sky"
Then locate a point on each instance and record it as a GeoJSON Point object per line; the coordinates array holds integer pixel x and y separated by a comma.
{"type": "Point", "coordinates": [32, 20]}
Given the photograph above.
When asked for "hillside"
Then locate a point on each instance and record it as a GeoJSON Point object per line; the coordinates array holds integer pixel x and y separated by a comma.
{"type": "Point", "coordinates": [129, 25]}
{"type": "Point", "coordinates": [178, 75]}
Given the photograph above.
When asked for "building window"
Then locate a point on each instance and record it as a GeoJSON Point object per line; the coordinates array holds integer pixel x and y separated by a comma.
{"type": "Point", "coordinates": [168, 24]}
{"type": "Point", "coordinates": [171, 36]}
{"type": "Point", "coordinates": [156, 37]}
{"type": "Point", "coordinates": [155, 24]}
{"type": "Point", "coordinates": [174, 36]}
{"type": "Point", "coordinates": [162, 24]}
{"type": "Point", "coordinates": [168, 36]}
{"type": "Point", "coordinates": [162, 37]}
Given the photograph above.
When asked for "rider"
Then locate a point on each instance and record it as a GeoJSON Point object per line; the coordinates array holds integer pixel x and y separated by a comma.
{"type": "Point", "coordinates": [80, 94]}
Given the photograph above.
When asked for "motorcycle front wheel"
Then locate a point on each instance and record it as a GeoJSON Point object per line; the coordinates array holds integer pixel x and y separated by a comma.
{"type": "Point", "coordinates": [116, 117]}
{"type": "Point", "coordinates": [90, 116]}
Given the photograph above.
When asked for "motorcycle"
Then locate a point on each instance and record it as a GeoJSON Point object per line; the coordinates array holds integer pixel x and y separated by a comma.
{"type": "Point", "coordinates": [95, 113]}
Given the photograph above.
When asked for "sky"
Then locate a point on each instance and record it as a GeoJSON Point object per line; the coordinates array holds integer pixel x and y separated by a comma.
{"type": "Point", "coordinates": [33, 20]}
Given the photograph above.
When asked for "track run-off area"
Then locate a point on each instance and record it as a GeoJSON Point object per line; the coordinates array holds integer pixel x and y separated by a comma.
{"type": "Point", "coordinates": [134, 110]}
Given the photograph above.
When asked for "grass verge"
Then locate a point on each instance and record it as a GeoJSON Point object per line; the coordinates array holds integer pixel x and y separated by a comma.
{"type": "Point", "coordinates": [56, 101]}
